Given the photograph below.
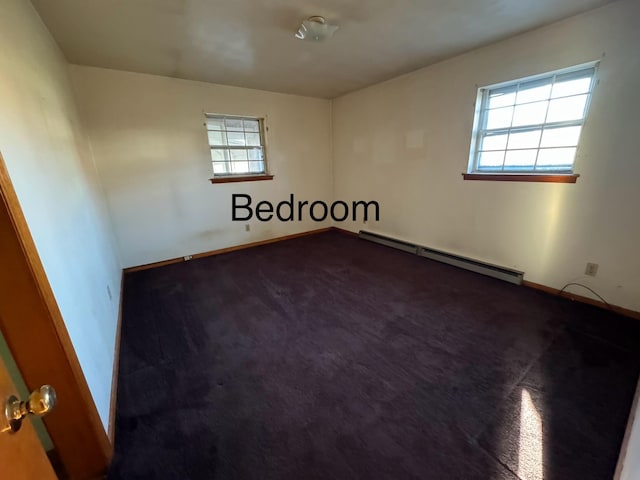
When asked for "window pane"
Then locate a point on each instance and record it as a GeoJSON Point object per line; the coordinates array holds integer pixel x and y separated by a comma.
{"type": "Point", "coordinates": [253, 139]}
{"type": "Point", "coordinates": [216, 138]}
{"type": "Point", "coordinates": [251, 125]}
{"type": "Point", "coordinates": [215, 123]}
{"type": "Point", "coordinates": [240, 167]}
{"type": "Point", "coordinates": [558, 158]}
{"type": "Point", "coordinates": [490, 160]}
{"type": "Point", "coordinates": [502, 97]}
{"type": "Point", "coordinates": [236, 145]}
{"type": "Point", "coordinates": [255, 154]}
{"type": "Point", "coordinates": [532, 125]}
{"type": "Point", "coordinates": [494, 142]}
{"type": "Point", "coordinates": [219, 154]}
{"type": "Point", "coordinates": [499, 118]}
{"type": "Point", "coordinates": [220, 168]}
{"type": "Point", "coordinates": [520, 159]}
{"type": "Point", "coordinates": [534, 91]}
{"type": "Point", "coordinates": [530, 114]}
{"type": "Point", "coordinates": [560, 137]}
{"type": "Point", "coordinates": [235, 138]}
{"type": "Point", "coordinates": [233, 124]}
{"type": "Point", "coordinates": [525, 139]}
{"type": "Point", "coordinates": [238, 155]}
{"type": "Point", "coordinates": [565, 109]}
{"type": "Point", "coordinates": [256, 167]}
{"type": "Point", "coordinates": [573, 83]}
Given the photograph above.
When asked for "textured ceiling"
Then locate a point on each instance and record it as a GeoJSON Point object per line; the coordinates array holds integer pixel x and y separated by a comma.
{"type": "Point", "coordinates": [250, 43]}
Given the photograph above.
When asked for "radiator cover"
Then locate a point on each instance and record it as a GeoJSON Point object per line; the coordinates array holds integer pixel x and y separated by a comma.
{"type": "Point", "coordinates": [495, 271]}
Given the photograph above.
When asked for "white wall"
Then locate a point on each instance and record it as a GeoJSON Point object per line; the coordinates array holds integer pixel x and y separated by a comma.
{"type": "Point", "coordinates": [405, 143]}
{"type": "Point", "coordinates": [151, 149]}
{"type": "Point", "coordinates": [52, 170]}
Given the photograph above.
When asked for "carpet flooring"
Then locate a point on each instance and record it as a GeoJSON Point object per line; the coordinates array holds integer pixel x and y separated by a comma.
{"type": "Point", "coordinates": [328, 357]}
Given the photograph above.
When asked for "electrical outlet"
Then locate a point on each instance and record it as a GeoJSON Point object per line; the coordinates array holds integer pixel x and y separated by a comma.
{"type": "Point", "coordinates": [187, 257]}
{"type": "Point", "coordinates": [591, 270]}
{"type": "Point", "coordinates": [247, 227]}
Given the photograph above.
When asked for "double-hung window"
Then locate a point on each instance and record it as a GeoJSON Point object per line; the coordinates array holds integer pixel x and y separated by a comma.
{"type": "Point", "coordinates": [531, 126]}
{"type": "Point", "coordinates": [237, 146]}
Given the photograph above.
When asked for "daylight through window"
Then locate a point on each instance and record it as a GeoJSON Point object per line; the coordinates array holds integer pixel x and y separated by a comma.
{"type": "Point", "coordinates": [531, 125]}
{"type": "Point", "coordinates": [237, 145]}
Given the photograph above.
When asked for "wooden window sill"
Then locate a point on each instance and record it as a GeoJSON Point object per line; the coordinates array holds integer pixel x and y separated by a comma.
{"type": "Point", "coordinates": [247, 178]}
{"type": "Point", "coordinates": [517, 177]}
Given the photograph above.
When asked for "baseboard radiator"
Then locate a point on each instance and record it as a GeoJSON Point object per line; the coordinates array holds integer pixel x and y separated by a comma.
{"type": "Point", "coordinates": [495, 271]}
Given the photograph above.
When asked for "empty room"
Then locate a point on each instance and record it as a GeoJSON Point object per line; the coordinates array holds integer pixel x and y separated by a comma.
{"type": "Point", "coordinates": [339, 239]}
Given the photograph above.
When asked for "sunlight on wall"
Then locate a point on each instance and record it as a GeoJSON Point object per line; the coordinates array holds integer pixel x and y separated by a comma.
{"type": "Point", "coordinates": [555, 209]}
{"type": "Point", "coordinates": [530, 451]}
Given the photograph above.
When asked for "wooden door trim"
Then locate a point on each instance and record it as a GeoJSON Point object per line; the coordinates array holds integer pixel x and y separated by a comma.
{"type": "Point", "coordinates": [111, 431]}
{"type": "Point", "coordinates": [43, 349]}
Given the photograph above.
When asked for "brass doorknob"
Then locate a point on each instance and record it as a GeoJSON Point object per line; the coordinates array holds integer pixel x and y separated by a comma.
{"type": "Point", "coordinates": [40, 402]}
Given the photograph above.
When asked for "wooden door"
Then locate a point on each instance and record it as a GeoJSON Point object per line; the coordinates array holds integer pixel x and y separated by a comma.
{"type": "Point", "coordinates": [34, 329]}
{"type": "Point", "coordinates": [21, 454]}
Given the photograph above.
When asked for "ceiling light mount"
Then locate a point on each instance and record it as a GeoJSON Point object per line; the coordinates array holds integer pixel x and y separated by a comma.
{"type": "Point", "coordinates": [315, 29]}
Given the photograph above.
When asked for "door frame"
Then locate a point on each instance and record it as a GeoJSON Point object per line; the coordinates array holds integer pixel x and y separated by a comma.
{"type": "Point", "coordinates": [34, 329]}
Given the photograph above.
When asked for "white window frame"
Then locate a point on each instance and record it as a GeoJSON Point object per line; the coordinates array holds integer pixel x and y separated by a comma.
{"type": "Point", "coordinates": [480, 130]}
{"type": "Point", "coordinates": [262, 146]}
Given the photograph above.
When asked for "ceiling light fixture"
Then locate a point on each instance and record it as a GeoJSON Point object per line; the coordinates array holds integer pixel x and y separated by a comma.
{"type": "Point", "coordinates": [315, 29]}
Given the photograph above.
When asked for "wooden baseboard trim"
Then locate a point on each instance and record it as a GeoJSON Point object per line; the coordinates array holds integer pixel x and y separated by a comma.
{"type": "Point", "coordinates": [580, 298]}
{"type": "Point", "coordinates": [345, 232]}
{"type": "Point", "coordinates": [554, 291]}
{"type": "Point", "coordinates": [227, 249]}
{"type": "Point", "coordinates": [114, 375]}
{"type": "Point", "coordinates": [149, 266]}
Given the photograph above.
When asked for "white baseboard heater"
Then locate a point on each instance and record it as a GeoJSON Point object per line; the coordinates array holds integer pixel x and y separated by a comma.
{"type": "Point", "coordinates": [495, 271]}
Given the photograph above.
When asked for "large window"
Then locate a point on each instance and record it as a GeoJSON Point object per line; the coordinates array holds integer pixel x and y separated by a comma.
{"type": "Point", "coordinates": [237, 145]}
{"type": "Point", "coordinates": [531, 126]}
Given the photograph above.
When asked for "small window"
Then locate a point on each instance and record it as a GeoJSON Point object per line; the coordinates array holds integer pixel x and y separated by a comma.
{"type": "Point", "coordinates": [531, 126]}
{"type": "Point", "coordinates": [237, 146]}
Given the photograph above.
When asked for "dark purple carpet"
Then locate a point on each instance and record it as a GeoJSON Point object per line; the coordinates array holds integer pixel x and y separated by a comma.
{"type": "Point", "coordinates": [328, 357]}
